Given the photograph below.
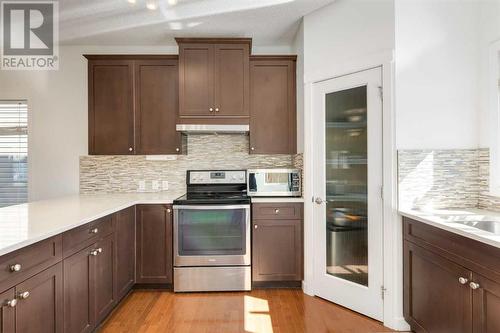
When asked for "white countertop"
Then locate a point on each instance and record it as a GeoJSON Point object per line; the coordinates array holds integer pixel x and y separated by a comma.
{"type": "Point", "coordinates": [276, 199]}
{"type": "Point", "coordinates": [446, 219]}
{"type": "Point", "coordinates": [26, 224]}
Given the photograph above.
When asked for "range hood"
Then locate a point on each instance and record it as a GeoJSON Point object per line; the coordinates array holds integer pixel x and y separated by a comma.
{"type": "Point", "coordinates": [211, 129]}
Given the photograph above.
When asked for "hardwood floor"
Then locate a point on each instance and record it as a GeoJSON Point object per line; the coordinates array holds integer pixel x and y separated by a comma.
{"type": "Point", "coordinates": [262, 311]}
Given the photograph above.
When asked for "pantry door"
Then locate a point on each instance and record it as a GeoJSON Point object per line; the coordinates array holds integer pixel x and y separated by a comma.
{"type": "Point", "coordinates": [348, 222]}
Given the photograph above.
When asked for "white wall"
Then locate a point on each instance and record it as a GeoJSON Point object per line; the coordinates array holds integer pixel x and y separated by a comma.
{"type": "Point", "coordinates": [437, 74]}
{"type": "Point", "coordinates": [344, 31]}
{"type": "Point", "coordinates": [298, 49]}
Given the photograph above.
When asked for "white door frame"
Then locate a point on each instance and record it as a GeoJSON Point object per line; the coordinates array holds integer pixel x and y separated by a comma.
{"type": "Point", "coordinates": [393, 257]}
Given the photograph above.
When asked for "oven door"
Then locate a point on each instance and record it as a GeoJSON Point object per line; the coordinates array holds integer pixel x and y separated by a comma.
{"type": "Point", "coordinates": [211, 235]}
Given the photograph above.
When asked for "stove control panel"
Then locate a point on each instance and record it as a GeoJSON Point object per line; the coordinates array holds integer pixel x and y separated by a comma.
{"type": "Point", "coordinates": [218, 177]}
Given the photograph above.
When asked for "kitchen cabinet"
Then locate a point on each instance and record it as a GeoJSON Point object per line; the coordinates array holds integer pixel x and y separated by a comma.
{"type": "Point", "coordinates": [154, 244]}
{"type": "Point", "coordinates": [40, 302]}
{"type": "Point", "coordinates": [133, 103]}
{"type": "Point", "coordinates": [277, 242]}
{"type": "Point", "coordinates": [8, 302]}
{"type": "Point", "coordinates": [111, 109]}
{"type": "Point", "coordinates": [214, 80]}
{"type": "Point", "coordinates": [125, 252]}
{"type": "Point", "coordinates": [157, 99]}
{"type": "Point", "coordinates": [451, 283]}
{"type": "Point", "coordinates": [104, 297]}
{"type": "Point", "coordinates": [273, 115]}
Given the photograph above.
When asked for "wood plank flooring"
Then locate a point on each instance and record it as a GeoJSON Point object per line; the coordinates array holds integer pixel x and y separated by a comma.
{"type": "Point", "coordinates": [258, 311]}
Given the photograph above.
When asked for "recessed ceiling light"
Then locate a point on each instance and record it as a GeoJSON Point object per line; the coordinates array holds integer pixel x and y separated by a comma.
{"type": "Point", "coordinates": [151, 5]}
{"type": "Point", "coordinates": [131, 1]}
{"type": "Point", "coordinates": [172, 2]}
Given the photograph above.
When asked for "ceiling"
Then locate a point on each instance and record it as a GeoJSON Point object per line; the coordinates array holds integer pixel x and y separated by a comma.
{"type": "Point", "coordinates": [130, 22]}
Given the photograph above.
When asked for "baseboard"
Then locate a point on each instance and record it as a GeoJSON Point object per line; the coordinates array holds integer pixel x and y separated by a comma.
{"type": "Point", "coordinates": [398, 324]}
{"type": "Point", "coordinates": [276, 284]}
{"type": "Point", "coordinates": [156, 286]}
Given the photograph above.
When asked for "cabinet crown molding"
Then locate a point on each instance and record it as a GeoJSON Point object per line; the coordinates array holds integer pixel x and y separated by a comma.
{"type": "Point", "coordinates": [131, 56]}
{"type": "Point", "coordinates": [289, 57]}
{"type": "Point", "coordinates": [211, 40]}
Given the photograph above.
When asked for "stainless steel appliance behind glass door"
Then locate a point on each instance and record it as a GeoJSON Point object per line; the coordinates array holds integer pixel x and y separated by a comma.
{"type": "Point", "coordinates": [212, 233]}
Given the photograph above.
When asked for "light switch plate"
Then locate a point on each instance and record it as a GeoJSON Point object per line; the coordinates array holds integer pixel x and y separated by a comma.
{"type": "Point", "coordinates": [164, 185]}
{"type": "Point", "coordinates": [141, 186]}
{"type": "Point", "coordinates": [155, 185]}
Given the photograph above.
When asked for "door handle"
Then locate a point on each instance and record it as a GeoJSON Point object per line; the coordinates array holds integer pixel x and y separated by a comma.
{"type": "Point", "coordinates": [319, 201]}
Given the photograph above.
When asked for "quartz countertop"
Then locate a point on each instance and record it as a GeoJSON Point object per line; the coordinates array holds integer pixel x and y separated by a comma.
{"type": "Point", "coordinates": [276, 199]}
{"type": "Point", "coordinates": [26, 224]}
{"type": "Point", "coordinates": [448, 219]}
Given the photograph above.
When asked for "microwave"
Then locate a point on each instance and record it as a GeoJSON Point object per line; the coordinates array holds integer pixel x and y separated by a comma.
{"type": "Point", "coordinates": [274, 183]}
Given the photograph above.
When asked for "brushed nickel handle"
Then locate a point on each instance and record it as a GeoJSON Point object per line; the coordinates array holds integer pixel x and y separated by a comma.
{"type": "Point", "coordinates": [15, 267]}
{"type": "Point", "coordinates": [99, 250]}
{"type": "Point", "coordinates": [23, 295]}
{"type": "Point", "coordinates": [255, 226]}
{"type": "Point", "coordinates": [130, 149]}
{"type": "Point", "coordinates": [95, 252]}
{"type": "Point", "coordinates": [276, 211]}
{"type": "Point", "coordinates": [216, 109]}
{"type": "Point", "coordinates": [168, 210]}
{"type": "Point", "coordinates": [12, 303]}
{"type": "Point", "coordinates": [319, 201]}
{"type": "Point", "coordinates": [463, 280]}
{"type": "Point", "coordinates": [252, 148]}
{"type": "Point", "coordinates": [474, 285]}
{"type": "Point", "coordinates": [211, 109]}
{"type": "Point", "coordinates": [94, 231]}
{"type": "Point", "coordinates": [177, 149]}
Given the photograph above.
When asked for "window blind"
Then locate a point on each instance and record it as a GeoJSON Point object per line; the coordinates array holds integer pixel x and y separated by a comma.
{"type": "Point", "coordinates": [13, 152]}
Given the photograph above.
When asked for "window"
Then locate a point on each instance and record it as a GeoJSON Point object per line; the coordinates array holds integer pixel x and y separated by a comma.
{"type": "Point", "coordinates": [13, 152]}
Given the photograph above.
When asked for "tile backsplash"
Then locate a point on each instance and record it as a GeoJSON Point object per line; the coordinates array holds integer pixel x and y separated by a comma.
{"type": "Point", "coordinates": [224, 151]}
{"type": "Point", "coordinates": [457, 178]}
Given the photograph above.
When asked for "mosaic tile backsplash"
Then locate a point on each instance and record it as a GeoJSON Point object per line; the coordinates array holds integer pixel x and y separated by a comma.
{"type": "Point", "coordinates": [456, 178]}
{"type": "Point", "coordinates": [225, 151]}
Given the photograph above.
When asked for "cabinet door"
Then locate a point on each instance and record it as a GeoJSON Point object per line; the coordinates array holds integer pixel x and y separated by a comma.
{"type": "Point", "coordinates": [40, 302]}
{"type": "Point", "coordinates": [486, 304]}
{"type": "Point", "coordinates": [157, 100]}
{"type": "Point", "coordinates": [277, 250]}
{"type": "Point", "coordinates": [7, 311]}
{"type": "Point", "coordinates": [154, 244]}
{"type": "Point", "coordinates": [79, 313]}
{"type": "Point", "coordinates": [125, 251]}
{"type": "Point", "coordinates": [111, 114]}
{"type": "Point", "coordinates": [272, 107]}
{"type": "Point", "coordinates": [434, 299]}
{"type": "Point", "coordinates": [196, 80]}
{"type": "Point", "coordinates": [232, 80]}
{"type": "Point", "coordinates": [103, 278]}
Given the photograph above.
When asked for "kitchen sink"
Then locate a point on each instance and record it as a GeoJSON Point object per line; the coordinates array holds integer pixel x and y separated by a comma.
{"type": "Point", "coordinates": [489, 226]}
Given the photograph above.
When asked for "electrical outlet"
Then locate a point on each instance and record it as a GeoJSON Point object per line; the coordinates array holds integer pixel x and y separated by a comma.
{"type": "Point", "coordinates": [142, 186]}
{"type": "Point", "coordinates": [164, 185]}
{"type": "Point", "coordinates": [155, 185]}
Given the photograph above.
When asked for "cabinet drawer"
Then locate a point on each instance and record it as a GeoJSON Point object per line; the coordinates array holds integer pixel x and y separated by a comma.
{"type": "Point", "coordinates": [31, 260]}
{"type": "Point", "coordinates": [277, 211]}
{"type": "Point", "coordinates": [81, 237]}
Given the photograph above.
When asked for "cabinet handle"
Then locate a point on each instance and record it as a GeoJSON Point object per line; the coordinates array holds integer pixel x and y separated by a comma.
{"type": "Point", "coordinates": [462, 280]}
{"type": "Point", "coordinates": [211, 109]}
{"type": "Point", "coordinates": [12, 303]}
{"type": "Point", "coordinates": [95, 252]}
{"type": "Point", "coordinates": [15, 267]}
{"type": "Point", "coordinates": [177, 149]}
{"type": "Point", "coordinates": [255, 226]}
{"type": "Point", "coordinates": [276, 211]}
{"type": "Point", "coordinates": [474, 285]}
{"type": "Point", "coordinates": [252, 148]}
{"type": "Point", "coordinates": [130, 149]}
{"type": "Point", "coordinates": [216, 109]}
{"type": "Point", "coordinates": [24, 295]}
{"type": "Point", "coordinates": [94, 231]}
{"type": "Point", "coordinates": [168, 210]}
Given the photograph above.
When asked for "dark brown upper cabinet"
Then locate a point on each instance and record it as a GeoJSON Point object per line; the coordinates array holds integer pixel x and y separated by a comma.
{"type": "Point", "coordinates": [214, 80]}
{"type": "Point", "coordinates": [273, 115]}
{"type": "Point", "coordinates": [133, 104]}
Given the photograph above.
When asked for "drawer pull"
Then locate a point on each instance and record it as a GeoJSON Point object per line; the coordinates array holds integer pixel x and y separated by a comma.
{"type": "Point", "coordinates": [96, 252]}
{"type": "Point", "coordinates": [168, 210]}
{"type": "Point", "coordinates": [463, 280]}
{"type": "Point", "coordinates": [15, 267]}
{"type": "Point", "coordinates": [12, 303]}
{"type": "Point", "coordinates": [24, 295]}
{"type": "Point", "coordinates": [94, 231]}
{"type": "Point", "coordinates": [474, 285]}
{"type": "Point", "coordinates": [276, 211]}
{"type": "Point", "coordinates": [255, 226]}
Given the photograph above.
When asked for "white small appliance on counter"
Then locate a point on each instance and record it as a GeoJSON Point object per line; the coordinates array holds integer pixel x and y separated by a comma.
{"type": "Point", "coordinates": [274, 183]}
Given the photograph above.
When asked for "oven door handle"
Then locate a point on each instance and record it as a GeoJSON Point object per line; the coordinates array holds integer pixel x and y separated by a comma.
{"type": "Point", "coordinates": [208, 207]}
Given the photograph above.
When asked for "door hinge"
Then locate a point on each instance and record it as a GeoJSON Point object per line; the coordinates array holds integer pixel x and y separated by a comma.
{"type": "Point", "coordinates": [382, 291]}
{"type": "Point", "coordinates": [381, 92]}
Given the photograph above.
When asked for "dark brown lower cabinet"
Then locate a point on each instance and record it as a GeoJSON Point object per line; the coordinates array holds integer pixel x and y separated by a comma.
{"type": "Point", "coordinates": [437, 300]}
{"type": "Point", "coordinates": [451, 283]}
{"type": "Point", "coordinates": [39, 307]}
{"type": "Point", "coordinates": [277, 250]}
{"type": "Point", "coordinates": [79, 315]}
{"type": "Point", "coordinates": [154, 244]}
{"type": "Point", "coordinates": [125, 252]}
{"type": "Point", "coordinates": [7, 311]}
{"type": "Point", "coordinates": [104, 297]}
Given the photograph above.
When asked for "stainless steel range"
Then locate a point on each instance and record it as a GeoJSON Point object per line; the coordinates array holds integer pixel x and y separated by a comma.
{"type": "Point", "coordinates": [212, 233]}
